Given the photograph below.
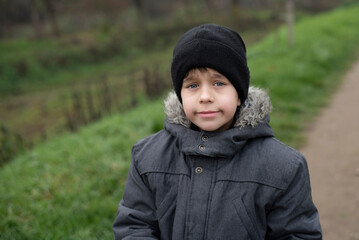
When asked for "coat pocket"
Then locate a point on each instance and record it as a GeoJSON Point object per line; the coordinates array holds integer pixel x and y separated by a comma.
{"type": "Point", "coordinates": [166, 213]}
{"type": "Point", "coordinates": [168, 203]}
{"type": "Point", "coordinates": [247, 218]}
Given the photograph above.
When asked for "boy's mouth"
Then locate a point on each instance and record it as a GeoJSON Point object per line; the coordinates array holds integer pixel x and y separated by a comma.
{"type": "Point", "coordinates": [207, 114]}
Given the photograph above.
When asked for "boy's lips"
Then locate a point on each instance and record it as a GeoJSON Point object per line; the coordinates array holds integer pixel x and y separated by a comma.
{"type": "Point", "coordinates": [207, 114]}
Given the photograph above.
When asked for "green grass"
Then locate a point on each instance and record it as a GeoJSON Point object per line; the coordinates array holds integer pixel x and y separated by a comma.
{"type": "Point", "coordinates": [41, 109]}
{"type": "Point", "coordinates": [31, 65]}
{"type": "Point", "coordinates": [71, 192]}
{"type": "Point", "coordinates": [301, 77]}
{"type": "Point", "coordinates": [69, 187]}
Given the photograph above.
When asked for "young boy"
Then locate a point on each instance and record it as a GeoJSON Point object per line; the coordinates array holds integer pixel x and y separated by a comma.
{"type": "Point", "coordinates": [215, 171]}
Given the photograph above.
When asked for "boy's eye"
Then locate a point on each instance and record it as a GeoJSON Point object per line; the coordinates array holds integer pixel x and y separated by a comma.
{"type": "Point", "coordinates": [218, 84]}
{"type": "Point", "coordinates": [192, 85]}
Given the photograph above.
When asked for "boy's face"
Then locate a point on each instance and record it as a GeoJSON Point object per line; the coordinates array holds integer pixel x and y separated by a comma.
{"type": "Point", "coordinates": [209, 99]}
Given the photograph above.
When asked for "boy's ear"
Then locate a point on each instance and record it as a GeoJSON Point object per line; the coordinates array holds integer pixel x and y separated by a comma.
{"type": "Point", "coordinates": [239, 102]}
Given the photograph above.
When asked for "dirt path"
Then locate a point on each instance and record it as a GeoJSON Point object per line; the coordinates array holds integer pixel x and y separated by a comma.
{"type": "Point", "coordinates": [332, 152]}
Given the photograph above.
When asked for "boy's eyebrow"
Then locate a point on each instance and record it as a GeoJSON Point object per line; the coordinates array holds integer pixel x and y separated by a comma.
{"type": "Point", "coordinates": [217, 75]}
{"type": "Point", "coordinates": [188, 78]}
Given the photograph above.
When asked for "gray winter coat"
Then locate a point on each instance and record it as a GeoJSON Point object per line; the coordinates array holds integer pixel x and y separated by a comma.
{"type": "Point", "coordinates": [238, 184]}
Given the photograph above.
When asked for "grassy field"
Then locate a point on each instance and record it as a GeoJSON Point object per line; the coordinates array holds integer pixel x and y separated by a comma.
{"type": "Point", "coordinates": [69, 187]}
{"type": "Point", "coordinates": [44, 82]}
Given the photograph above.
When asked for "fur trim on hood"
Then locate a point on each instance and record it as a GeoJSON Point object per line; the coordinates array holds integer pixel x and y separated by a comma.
{"type": "Point", "coordinates": [252, 112]}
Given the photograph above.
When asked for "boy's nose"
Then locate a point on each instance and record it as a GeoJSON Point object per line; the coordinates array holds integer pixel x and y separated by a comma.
{"type": "Point", "coordinates": [206, 95]}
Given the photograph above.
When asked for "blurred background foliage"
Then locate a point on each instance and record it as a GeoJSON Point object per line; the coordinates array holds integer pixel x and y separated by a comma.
{"type": "Point", "coordinates": [82, 81]}
{"type": "Point", "coordinates": [64, 64]}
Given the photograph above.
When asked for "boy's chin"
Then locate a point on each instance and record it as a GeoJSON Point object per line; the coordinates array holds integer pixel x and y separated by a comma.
{"type": "Point", "coordinates": [213, 128]}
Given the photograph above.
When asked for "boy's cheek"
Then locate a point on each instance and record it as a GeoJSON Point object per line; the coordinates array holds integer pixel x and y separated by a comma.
{"type": "Point", "coordinates": [186, 108]}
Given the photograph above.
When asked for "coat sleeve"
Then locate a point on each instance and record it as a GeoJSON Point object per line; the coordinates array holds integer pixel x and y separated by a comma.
{"type": "Point", "coordinates": [294, 215]}
{"type": "Point", "coordinates": [136, 215]}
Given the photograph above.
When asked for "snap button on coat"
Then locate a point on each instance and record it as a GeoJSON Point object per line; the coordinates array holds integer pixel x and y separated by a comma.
{"type": "Point", "coordinates": [199, 170]}
{"type": "Point", "coordinates": [204, 138]}
{"type": "Point", "coordinates": [201, 147]}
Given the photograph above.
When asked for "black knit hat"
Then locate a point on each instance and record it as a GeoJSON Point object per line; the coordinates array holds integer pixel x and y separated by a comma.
{"type": "Point", "coordinates": [211, 46]}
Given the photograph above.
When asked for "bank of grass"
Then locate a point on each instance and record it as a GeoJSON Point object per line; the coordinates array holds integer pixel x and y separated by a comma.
{"type": "Point", "coordinates": [69, 187]}
{"type": "Point", "coordinates": [300, 78]}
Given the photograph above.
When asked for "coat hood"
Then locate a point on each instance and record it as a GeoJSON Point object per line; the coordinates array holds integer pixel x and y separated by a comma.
{"type": "Point", "coordinates": [252, 112]}
{"type": "Point", "coordinates": [252, 122]}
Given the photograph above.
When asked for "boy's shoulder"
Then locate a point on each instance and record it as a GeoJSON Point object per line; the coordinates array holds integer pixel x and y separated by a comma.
{"type": "Point", "coordinates": [275, 162]}
{"type": "Point", "coordinates": [274, 149]}
{"type": "Point", "coordinates": [280, 150]}
{"type": "Point", "coordinates": [156, 153]}
{"type": "Point", "coordinates": [151, 142]}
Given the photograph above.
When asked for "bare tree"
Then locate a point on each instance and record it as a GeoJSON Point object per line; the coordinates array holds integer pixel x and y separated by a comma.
{"type": "Point", "coordinates": [140, 8]}
{"type": "Point", "coordinates": [209, 4]}
{"type": "Point", "coordinates": [290, 20]}
{"type": "Point", "coordinates": [234, 3]}
{"type": "Point", "coordinates": [187, 7]}
{"type": "Point", "coordinates": [50, 9]}
{"type": "Point", "coordinates": [35, 19]}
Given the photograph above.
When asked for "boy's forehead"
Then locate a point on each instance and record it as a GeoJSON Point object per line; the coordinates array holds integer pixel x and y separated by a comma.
{"type": "Point", "coordinates": [197, 71]}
